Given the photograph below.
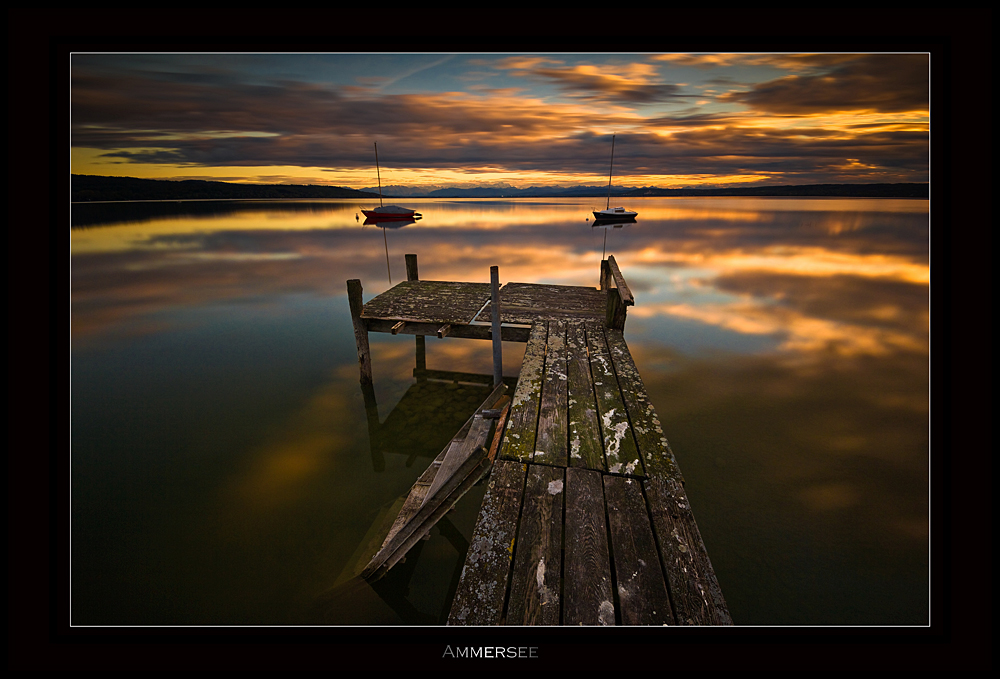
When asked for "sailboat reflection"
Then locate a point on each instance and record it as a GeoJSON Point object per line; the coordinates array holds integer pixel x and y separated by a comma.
{"type": "Point", "coordinates": [391, 223]}
{"type": "Point", "coordinates": [609, 224]}
{"type": "Point", "coordinates": [614, 223]}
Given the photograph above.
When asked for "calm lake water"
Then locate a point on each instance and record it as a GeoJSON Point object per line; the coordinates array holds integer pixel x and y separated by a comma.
{"type": "Point", "coordinates": [225, 471]}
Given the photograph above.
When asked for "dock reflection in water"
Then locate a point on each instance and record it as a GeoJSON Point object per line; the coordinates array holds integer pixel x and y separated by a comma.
{"type": "Point", "coordinates": [425, 418]}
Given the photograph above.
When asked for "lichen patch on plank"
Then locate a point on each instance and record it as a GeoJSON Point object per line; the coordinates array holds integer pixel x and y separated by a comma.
{"type": "Point", "coordinates": [519, 441]}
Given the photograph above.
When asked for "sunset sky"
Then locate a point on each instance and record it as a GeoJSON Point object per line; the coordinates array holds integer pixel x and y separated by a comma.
{"type": "Point", "coordinates": [682, 120]}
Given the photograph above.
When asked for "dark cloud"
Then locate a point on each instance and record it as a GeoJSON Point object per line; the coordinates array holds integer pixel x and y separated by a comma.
{"type": "Point", "coordinates": [220, 120]}
{"type": "Point", "coordinates": [604, 88]}
{"type": "Point", "coordinates": [878, 82]}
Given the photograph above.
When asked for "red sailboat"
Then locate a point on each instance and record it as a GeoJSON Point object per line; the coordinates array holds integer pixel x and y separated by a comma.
{"type": "Point", "coordinates": [388, 213]}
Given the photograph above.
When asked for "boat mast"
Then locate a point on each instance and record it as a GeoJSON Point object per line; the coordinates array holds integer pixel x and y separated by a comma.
{"type": "Point", "coordinates": [380, 176]}
{"type": "Point", "coordinates": [608, 206]}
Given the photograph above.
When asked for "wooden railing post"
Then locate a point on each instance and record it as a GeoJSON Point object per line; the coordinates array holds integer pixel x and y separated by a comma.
{"type": "Point", "coordinates": [411, 268]}
{"type": "Point", "coordinates": [615, 314]}
{"type": "Point", "coordinates": [619, 297]}
{"type": "Point", "coordinates": [360, 330]}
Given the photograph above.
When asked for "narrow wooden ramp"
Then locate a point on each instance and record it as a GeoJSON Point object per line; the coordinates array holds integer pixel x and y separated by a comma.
{"type": "Point", "coordinates": [456, 469]}
{"type": "Point", "coordinates": [585, 520]}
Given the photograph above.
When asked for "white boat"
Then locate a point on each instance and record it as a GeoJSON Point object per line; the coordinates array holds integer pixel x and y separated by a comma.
{"type": "Point", "coordinates": [615, 213]}
{"type": "Point", "coordinates": [385, 213]}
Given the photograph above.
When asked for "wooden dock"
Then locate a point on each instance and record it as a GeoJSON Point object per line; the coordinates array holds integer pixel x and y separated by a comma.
{"type": "Point", "coordinates": [585, 520]}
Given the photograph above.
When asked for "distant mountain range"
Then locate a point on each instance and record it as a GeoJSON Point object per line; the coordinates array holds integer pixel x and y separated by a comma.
{"type": "Point", "coordinates": [87, 188]}
{"type": "Point", "coordinates": [847, 190]}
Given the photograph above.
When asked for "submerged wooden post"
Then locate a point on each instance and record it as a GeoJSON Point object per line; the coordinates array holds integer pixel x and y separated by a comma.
{"type": "Point", "coordinates": [497, 343]}
{"type": "Point", "coordinates": [371, 414]}
{"type": "Point", "coordinates": [360, 330]}
{"type": "Point", "coordinates": [421, 366]}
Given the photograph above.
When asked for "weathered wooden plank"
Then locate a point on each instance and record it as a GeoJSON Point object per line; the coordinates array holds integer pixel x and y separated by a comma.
{"type": "Point", "coordinates": [585, 449]}
{"type": "Point", "coordinates": [482, 586]}
{"type": "Point", "coordinates": [519, 441]}
{"type": "Point", "coordinates": [619, 446]}
{"type": "Point", "coordinates": [457, 455]}
{"type": "Point", "coordinates": [429, 301]}
{"type": "Point", "coordinates": [415, 498]}
{"type": "Point", "coordinates": [642, 591]}
{"type": "Point", "coordinates": [431, 511]}
{"type": "Point", "coordinates": [452, 376]}
{"type": "Point", "coordinates": [587, 595]}
{"type": "Point", "coordinates": [552, 437]}
{"type": "Point", "coordinates": [535, 583]}
{"type": "Point", "coordinates": [528, 302]}
{"type": "Point", "coordinates": [694, 589]}
{"type": "Point", "coordinates": [483, 332]}
{"type": "Point", "coordinates": [657, 458]}
{"type": "Point", "coordinates": [498, 433]}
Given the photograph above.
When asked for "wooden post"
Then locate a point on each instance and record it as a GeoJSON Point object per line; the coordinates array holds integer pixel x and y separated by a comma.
{"type": "Point", "coordinates": [619, 297]}
{"type": "Point", "coordinates": [497, 343]}
{"type": "Point", "coordinates": [421, 346]}
{"type": "Point", "coordinates": [411, 268]}
{"type": "Point", "coordinates": [360, 330]}
{"type": "Point", "coordinates": [615, 314]}
{"type": "Point", "coordinates": [605, 274]}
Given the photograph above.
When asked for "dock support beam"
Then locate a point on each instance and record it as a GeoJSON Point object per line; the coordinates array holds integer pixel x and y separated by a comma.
{"type": "Point", "coordinates": [615, 314]}
{"type": "Point", "coordinates": [605, 275]}
{"type": "Point", "coordinates": [360, 330]}
{"type": "Point", "coordinates": [497, 340]}
{"type": "Point", "coordinates": [421, 342]}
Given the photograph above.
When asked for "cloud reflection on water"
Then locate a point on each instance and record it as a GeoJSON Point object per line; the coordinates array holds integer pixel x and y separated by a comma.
{"type": "Point", "coordinates": [784, 345]}
{"type": "Point", "coordinates": [129, 271]}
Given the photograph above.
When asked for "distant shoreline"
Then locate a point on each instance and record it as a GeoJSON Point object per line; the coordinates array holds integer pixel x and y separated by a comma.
{"type": "Point", "coordinates": [98, 189]}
